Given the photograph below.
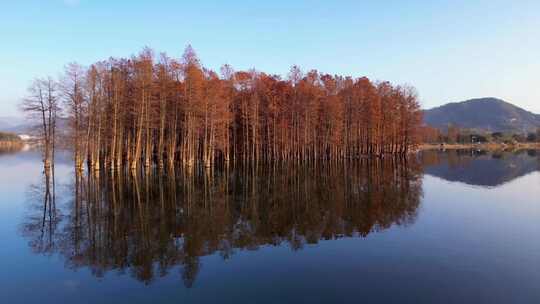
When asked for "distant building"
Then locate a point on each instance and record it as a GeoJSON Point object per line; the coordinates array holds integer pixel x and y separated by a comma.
{"type": "Point", "coordinates": [26, 137]}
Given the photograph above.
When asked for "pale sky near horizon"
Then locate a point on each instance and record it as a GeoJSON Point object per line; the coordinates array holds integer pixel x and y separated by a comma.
{"type": "Point", "coordinates": [449, 50]}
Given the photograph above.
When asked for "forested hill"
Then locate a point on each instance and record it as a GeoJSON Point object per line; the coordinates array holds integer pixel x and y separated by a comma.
{"type": "Point", "coordinates": [13, 124]}
{"type": "Point", "coordinates": [489, 114]}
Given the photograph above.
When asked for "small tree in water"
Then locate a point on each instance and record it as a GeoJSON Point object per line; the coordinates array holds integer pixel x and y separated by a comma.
{"type": "Point", "coordinates": [41, 107]}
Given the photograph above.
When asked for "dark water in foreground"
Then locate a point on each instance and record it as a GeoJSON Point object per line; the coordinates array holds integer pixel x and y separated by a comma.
{"type": "Point", "coordinates": [455, 227]}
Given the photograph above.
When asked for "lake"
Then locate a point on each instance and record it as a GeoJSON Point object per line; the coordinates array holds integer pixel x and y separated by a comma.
{"type": "Point", "coordinates": [440, 227]}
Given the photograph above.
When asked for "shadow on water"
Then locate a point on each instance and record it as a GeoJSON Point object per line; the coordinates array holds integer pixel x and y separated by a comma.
{"type": "Point", "coordinates": [480, 168]}
{"type": "Point", "coordinates": [154, 223]}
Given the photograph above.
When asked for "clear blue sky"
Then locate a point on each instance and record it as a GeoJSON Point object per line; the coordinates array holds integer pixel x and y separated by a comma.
{"type": "Point", "coordinates": [449, 50]}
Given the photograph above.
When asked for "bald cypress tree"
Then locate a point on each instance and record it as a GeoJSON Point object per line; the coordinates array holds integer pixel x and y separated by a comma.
{"type": "Point", "coordinates": [139, 111]}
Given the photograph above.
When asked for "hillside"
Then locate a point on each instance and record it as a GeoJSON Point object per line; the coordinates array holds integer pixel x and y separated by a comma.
{"type": "Point", "coordinates": [13, 124]}
{"type": "Point", "coordinates": [20, 126]}
{"type": "Point", "coordinates": [489, 114]}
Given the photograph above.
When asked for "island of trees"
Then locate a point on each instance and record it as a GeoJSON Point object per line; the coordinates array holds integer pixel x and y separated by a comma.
{"type": "Point", "coordinates": [155, 110]}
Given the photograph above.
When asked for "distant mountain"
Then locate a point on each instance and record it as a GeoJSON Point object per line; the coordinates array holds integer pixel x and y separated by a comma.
{"type": "Point", "coordinates": [13, 124]}
{"type": "Point", "coordinates": [490, 114]}
{"type": "Point", "coordinates": [19, 125]}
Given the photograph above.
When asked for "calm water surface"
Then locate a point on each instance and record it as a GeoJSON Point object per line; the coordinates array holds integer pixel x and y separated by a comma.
{"type": "Point", "coordinates": [447, 227]}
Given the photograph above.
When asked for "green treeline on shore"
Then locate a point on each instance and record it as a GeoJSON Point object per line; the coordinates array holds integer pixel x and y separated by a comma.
{"type": "Point", "coordinates": [456, 135]}
{"type": "Point", "coordinates": [6, 136]}
{"type": "Point", "coordinates": [10, 141]}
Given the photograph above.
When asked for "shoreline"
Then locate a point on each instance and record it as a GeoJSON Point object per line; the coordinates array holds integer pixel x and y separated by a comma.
{"type": "Point", "coordinates": [11, 144]}
{"type": "Point", "coordinates": [487, 146]}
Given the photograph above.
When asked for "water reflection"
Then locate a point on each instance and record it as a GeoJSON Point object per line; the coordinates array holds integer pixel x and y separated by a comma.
{"type": "Point", "coordinates": [10, 148]}
{"type": "Point", "coordinates": [151, 224]}
{"type": "Point", "coordinates": [480, 168]}
{"type": "Point", "coordinates": [41, 223]}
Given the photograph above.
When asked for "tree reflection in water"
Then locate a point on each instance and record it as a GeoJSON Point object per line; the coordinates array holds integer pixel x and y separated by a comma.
{"type": "Point", "coordinates": [149, 222]}
{"type": "Point", "coordinates": [42, 222]}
